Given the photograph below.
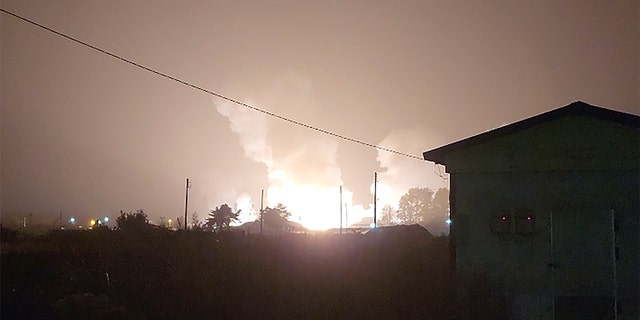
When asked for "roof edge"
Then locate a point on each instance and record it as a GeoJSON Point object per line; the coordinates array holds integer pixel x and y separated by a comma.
{"type": "Point", "coordinates": [437, 155]}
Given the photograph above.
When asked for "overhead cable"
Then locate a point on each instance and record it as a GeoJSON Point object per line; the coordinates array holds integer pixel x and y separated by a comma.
{"type": "Point", "coordinates": [218, 95]}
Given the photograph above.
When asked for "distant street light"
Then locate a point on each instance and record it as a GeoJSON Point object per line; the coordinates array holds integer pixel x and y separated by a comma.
{"type": "Point", "coordinates": [72, 220]}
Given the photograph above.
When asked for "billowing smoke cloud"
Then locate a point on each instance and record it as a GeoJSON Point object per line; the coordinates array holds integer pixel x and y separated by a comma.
{"type": "Point", "coordinates": [401, 173]}
{"type": "Point", "coordinates": [301, 164]}
{"type": "Point", "coordinates": [251, 128]}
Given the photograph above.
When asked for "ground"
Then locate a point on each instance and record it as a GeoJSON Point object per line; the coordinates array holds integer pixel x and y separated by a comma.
{"type": "Point", "coordinates": [161, 274]}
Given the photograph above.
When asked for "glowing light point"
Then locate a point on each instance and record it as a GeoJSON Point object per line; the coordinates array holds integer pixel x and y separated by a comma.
{"type": "Point", "coordinates": [529, 217]}
{"type": "Point", "coordinates": [72, 220]}
{"type": "Point", "coordinates": [92, 222]}
{"type": "Point", "coordinates": [448, 221]}
{"type": "Point", "coordinates": [504, 218]}
{"type": "Point", "coordinates": [106, 219]}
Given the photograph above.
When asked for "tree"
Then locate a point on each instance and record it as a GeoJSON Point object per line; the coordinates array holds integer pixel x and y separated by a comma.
{"type": "Point", "coordinates": [441, 200]}
{"type": "Point", "coordinates": [221, 218]}
{"type": "Point", "coordinates": [132, 221]}
{"type": "Point", "coordinates": [276, 217]}
{"type": "Point", "coordinates": [388, 215]}
{"type": "Point", "coordinates": [414, 206]}
{"type": "Point", "coordinates": [439, 212]}
{"type": "Point", "coordinates": [196, 224]}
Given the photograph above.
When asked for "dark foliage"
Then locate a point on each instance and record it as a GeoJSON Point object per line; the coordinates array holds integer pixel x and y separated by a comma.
{"type": "Point", "coordinates": [162, 274]}
{"type": "Point", "coordinates": [414, 206]}
{"type": "Point", "coordinates": [221, 218]}
{"type": "Point", "coordinates": [276, 217]}
{"type": "Point", "coordinates": [132, 221]}
{"type": "Point", "coordinates": [7, 235]}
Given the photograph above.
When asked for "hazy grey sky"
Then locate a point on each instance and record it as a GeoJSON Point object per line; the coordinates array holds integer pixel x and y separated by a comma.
{"type": "Point", "coordinates": [89, 135]}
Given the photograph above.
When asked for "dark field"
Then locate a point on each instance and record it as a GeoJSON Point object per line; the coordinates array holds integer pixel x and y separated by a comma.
{"type": "Point", "coordinates": [161, 274]}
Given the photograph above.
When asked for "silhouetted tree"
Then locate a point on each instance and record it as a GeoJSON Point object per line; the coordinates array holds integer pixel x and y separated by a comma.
{"type": "Point", "coordinates": [436, 217]}
{"type": "Point", "coordinates": [132, 221]}
{"type": "Point", "coordinates": [221, 217]}
{"type": "Point", "coordinates": [387, 216]}
{"type": "Point", "coordinates": [276, 217]}
{"type": "Point", "coordinates": [196, 224]}
{"type": "Point", "coordinates": [414, 206]}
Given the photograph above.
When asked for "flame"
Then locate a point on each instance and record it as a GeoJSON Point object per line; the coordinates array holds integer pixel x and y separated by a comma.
{"type": "Point", "coordinates": [247, 210]}
{"type": "Point", "coordinates": [314, 205]}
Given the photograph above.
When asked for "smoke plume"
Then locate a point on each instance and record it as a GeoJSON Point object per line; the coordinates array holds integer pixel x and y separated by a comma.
{"type": "Point", "coordinates": [301, 164]}
{"type": "Point", "coordinates": [401, 173]}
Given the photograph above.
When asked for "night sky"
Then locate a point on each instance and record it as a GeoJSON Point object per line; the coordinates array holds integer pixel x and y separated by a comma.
{"type": "Point", "coordinates": [88, 135]}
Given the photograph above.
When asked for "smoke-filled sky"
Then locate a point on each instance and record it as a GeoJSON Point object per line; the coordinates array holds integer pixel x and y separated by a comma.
{"type": "Point", "coordinates": [89, 135]}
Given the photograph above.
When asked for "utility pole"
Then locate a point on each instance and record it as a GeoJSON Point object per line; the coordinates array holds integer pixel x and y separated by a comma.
{"type": "Point", "coordinates": [261, 210]}
{"type": "Point", "coordinates": [375, 198]}
{"type": "Point", "coordinates": [186, 203]}
{"type": "Point", "coordinates": [340, 209]}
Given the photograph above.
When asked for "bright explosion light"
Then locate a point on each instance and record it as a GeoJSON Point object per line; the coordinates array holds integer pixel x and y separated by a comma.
{"type": "Point", "coordinates": [315, 206]}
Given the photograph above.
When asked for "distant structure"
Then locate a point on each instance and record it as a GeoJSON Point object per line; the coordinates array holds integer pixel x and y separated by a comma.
{"type": "Point", "coordinates": [546, 210]}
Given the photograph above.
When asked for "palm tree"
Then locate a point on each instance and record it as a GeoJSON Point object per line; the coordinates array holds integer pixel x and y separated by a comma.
{"type": "Point", "coordinates": [221, 217]}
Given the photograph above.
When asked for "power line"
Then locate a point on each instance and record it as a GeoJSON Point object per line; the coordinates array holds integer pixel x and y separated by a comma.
{"type": "Point", "coordinates": [220, 96]}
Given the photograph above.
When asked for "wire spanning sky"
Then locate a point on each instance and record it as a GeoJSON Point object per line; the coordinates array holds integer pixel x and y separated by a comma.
{"type": "Point", "coordinates": [88, 135]}
{"type": "Point", "coordinates": [207, 91]}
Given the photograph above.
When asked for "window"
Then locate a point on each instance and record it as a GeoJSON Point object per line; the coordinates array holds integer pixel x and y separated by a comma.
{"type": "Point", "coordinates": [513, 221]}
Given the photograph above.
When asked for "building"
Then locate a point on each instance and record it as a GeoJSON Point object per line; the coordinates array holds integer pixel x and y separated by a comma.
{"type": "Point", "coordinates": [546, 210]}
